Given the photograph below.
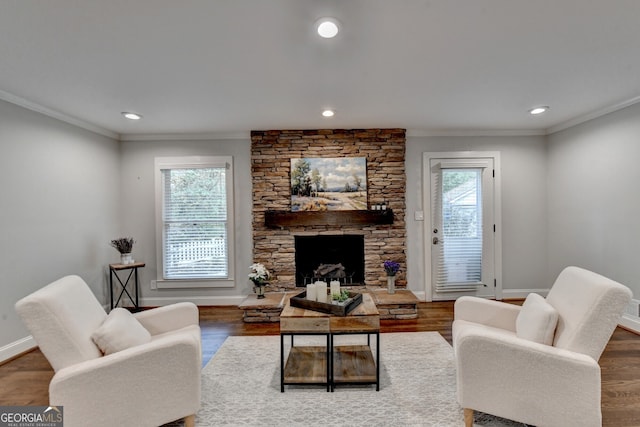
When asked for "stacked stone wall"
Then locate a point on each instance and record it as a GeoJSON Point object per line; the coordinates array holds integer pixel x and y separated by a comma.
{"type": "Point", "coordinates": [271, 154]}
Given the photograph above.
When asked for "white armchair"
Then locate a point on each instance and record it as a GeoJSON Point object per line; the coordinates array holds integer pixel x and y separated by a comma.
{"type": "Point", "coordinates": [148, 384]}
{"type": "Point", "coordinates": [504, 367]}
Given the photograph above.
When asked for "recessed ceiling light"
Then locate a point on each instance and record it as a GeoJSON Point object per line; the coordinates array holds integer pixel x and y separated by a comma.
{"type": "Point", "coordinates": [538, 110]}
{"type": "Point", "coordinates": [328, 113]}
{"type": "Point", "coordinates": [327, 27]}
{"type": "Point", "coordinates": [131, 116]}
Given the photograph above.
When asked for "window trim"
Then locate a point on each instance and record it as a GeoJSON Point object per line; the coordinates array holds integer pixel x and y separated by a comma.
{"type": "Point", "coordinates": [188, 162]}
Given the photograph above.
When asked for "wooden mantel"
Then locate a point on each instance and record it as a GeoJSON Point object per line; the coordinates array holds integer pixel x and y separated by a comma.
{"type": "Point", "coordinates": [281, 219]}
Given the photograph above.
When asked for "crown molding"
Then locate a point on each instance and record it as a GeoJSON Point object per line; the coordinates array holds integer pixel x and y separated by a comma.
{"type": "Point", "coordinates": [184, 136]}
{"type": "Point", "coordinates": [593, 115]}
{"type": "Point", "coordinates": [21, 102]}
{"type": "Point", "coordinates": [471, 132]}
{"type": "Point", "coordinates": [13, 99]}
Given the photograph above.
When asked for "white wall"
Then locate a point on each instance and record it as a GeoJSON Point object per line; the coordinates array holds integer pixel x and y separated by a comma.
{"type": "Point", "coordinates": [594, 198]}
{"type": "Point", "coordinates": [59, 204]}
{"type": "Point", "coordinates": [524, 211]}
{"type": "Point", "coordinates": [138, 201]}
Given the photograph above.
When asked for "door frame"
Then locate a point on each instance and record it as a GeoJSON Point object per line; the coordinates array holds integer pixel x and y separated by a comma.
{"type": "Point", "coordinates": [497, 215]}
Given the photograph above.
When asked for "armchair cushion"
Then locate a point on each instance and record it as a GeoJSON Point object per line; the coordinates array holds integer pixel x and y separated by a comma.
{"type": "Point", "coordinates": [119, 331]}
{"type": "Point", "coordinates": [537, 320]}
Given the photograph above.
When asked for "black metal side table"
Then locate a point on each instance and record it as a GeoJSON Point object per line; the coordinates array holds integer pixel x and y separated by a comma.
{"type": "Point", "coordinates": [133, 272]}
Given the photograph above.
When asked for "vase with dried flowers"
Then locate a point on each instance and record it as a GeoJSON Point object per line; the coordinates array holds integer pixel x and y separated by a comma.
{"type": "Point", "coordinates": [124, 245]}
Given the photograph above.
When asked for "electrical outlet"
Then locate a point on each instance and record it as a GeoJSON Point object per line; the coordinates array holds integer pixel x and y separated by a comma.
{"type": "Point", "coordinates": [154, 284]}
{"type": "Point", "coordinates": [418, 215]}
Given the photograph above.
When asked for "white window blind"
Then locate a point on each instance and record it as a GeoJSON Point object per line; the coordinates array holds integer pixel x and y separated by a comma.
{"type": "Point", "coordinates": [460, 259]}
{"type": "Point", "coordinates": [195, 223]}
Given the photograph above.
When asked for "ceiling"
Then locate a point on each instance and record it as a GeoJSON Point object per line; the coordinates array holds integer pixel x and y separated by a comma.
{"type": "Point", "coordinates": [226, 67]}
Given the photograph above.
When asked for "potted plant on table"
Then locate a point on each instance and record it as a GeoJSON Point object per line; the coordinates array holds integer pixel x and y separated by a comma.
{"type": "Point", "coordinates": [124, 246]}
{"type": "Point", "coordinates": [260, 277]}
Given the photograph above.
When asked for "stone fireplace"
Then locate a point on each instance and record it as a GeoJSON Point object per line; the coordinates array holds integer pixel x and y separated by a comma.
{"type": "Point", "coordinates": [279, 247]}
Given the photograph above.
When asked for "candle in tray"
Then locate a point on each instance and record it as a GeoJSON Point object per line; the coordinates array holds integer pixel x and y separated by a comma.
{"type": "Point", "coordinates": [311, 292]}
{"type": "Point", "coordinates": [335, 288]}
{"type": "Point", "coordinates": [321, 291]}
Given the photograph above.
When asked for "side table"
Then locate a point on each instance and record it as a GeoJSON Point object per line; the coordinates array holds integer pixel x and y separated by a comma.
{"type": "Point", "coordinates": [133, 272]}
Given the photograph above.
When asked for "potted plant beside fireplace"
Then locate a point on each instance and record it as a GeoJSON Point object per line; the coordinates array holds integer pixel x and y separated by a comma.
{"type": "Point", "coordinates": [391, 268]}
{"type": "Point", "coordinates": [260, 277]}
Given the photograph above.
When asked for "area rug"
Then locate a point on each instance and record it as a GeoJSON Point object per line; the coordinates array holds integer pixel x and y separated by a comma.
{"type": "Point", "coordinates": [241, 387]}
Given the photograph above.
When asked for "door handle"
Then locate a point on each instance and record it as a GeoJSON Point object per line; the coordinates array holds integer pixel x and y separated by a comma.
{"type": "Point", "coordinates": [435, 241]}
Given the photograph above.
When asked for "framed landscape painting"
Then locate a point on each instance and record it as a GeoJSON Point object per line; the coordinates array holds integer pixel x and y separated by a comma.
{"type": "Point", "coordinates": [328, 184]}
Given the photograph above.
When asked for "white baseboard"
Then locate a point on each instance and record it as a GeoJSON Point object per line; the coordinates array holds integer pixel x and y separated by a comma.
{"type": "Point", "coordinates": [215, 300]}
{"type": "Point", "coordinates": [506, 293]}
{"type": "Point", "coordinates": [630, 322]}
{"type": "Point", "coordinates": [15, 348]}
{"type": "Point", "coordinates": [422, 295]}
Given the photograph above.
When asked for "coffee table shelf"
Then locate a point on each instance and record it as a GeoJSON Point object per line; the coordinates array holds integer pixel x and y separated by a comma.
{"type": "Point", "coordinates": [354, 364]}
{"type": "Point", "coordinates": [306, 365]}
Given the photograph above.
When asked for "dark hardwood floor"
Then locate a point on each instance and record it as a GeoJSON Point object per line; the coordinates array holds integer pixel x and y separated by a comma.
{"type": "Point", "coordinates": [25, 380]}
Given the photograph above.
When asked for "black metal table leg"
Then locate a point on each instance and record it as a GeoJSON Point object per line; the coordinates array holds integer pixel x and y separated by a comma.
{"type": "Point", "coordinates": [282, 363]}
{"type": "Point", "coordinates": [330, 362]}
{"type": "Point", "coordinates": [377, 361]}
{"type": "Point", "coordinates": [136, 286]}
{"type": "Point", "coordinates": [111, 272]}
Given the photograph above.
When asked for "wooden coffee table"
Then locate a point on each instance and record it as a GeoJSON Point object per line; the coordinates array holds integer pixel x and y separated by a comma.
{"type": "Point", "coordinates": [328, 364]}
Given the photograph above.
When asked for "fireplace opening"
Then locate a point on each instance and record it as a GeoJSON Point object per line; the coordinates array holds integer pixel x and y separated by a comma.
{"type": "Point", "coordinates": [330, 257]}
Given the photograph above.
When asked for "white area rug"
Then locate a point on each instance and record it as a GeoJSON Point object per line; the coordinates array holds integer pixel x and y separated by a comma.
{"type": "Point", "coordinates": [241, 387]}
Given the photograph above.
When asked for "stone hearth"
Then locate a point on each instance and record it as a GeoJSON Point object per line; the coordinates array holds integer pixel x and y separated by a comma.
{"type": "Point", "coordinates": [398, 306]}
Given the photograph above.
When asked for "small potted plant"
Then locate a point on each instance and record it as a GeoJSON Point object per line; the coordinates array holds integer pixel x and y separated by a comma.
{"type": "Point", "coordinates": [260, 277]}
{"type": "Point", "coordinates": [124, 246]}
{"type": "Point", "coordinates": [391, 268]}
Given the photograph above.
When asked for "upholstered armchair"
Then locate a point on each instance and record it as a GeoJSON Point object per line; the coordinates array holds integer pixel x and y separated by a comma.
{"type": "Point", "coordinates": [117, 369]}
{"type": "Point", "coordinates": [538, 363]}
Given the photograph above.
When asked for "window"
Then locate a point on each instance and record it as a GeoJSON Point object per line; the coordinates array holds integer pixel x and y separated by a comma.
{"type": "Point", "coordinates": [194, 221]}
{"type": "Point", "coordinates": [460, 205]}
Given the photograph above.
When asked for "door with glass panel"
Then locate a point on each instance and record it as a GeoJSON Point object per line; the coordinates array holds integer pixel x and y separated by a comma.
{"type": "Point", "coordinates": [462, 231]}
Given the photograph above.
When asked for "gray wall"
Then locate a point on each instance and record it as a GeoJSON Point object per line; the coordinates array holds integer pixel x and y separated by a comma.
{"type": "Point", "coordinates": [524, 209]}
{"type": "Point", "coordinates": [59, 208]}
{"type": "Point", "coordinates": [569, 198]}
{"type": "Point", "coordinates": [138, 220]}
{"type": "Point", "coordinates": [594, 200]}
{"type": "Point", "coordinates": [524, 244]}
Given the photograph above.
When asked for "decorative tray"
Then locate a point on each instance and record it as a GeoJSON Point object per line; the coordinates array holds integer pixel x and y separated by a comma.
{"type": "Point", "coordinates": [335, 308]}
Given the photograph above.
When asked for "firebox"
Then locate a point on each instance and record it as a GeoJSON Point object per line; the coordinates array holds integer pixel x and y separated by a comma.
{"type": "Point", "coordinates": [330, 257]}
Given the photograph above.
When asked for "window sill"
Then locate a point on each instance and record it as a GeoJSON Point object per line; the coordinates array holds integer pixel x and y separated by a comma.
{"type": "Point", "coordinates": [194, 283]}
